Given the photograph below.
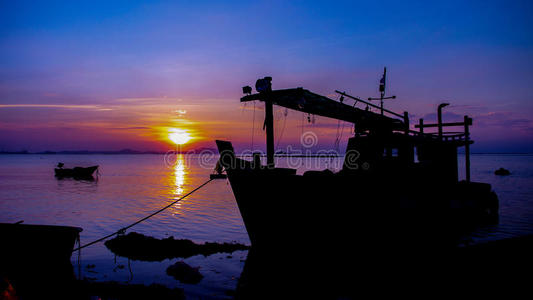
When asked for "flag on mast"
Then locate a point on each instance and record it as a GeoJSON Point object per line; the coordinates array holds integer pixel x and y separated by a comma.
{"type": "Point", "coordinates": [382, 81]}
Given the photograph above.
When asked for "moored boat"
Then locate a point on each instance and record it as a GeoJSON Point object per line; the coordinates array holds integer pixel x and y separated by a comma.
{"type": "Point", "coordinates": [76, 172]}
{"type": "Point", "coordinates": [396, 184]}
{"type": "Point", "coordinates": [34, 258]}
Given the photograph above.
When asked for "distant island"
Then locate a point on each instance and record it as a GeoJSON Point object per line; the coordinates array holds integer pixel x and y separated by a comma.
{"type": "Point", "coordinates": [123, 151]}
{"type": "Point", "coordinates": [213, 150]}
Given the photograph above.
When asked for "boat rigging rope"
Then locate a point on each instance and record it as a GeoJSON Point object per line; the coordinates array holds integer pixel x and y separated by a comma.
{"type": "Point", "coordinates": [123, 229]}
{"type": "Point", "coordinates": [342, 132]}
{"type": "Point", "coordinates": [285, 113]}
{"type": "Point", "coordinates": [337, 135]}
{"type": "Point", "coordinates": [253, 128]}
{"type": "Point", "coordinates": [301, 136]}
{"type": "Point", "coordinates": [336, 144]}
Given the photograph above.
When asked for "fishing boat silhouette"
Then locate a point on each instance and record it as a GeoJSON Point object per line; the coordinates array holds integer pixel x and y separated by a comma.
{"type": "Point", "coordinates": [381, 190]}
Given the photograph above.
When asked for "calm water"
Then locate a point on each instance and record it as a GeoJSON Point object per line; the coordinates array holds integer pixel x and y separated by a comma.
{"type": "Point", "coordinates": [132, 186]}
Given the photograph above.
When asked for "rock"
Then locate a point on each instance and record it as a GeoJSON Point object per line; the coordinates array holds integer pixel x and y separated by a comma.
{"type": "Point", "coordinates": [502, 172]}
{"type": "Point", "coordinates": [185, 273]}
{"type": "Point", "coordinates": [140, 247]}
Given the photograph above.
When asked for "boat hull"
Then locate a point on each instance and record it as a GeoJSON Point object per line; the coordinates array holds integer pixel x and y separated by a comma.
{"type": "Point", "coordinates": [312, 234]}
{"type": "Point", "coordinates": [322, 209]}
{"type": "Point", "coordinates": [76, 172]}
{"type": "Point", "coordinates": [36, 256]}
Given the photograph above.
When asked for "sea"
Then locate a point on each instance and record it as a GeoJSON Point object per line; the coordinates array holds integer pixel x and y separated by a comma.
{"type": "Point", "coordinates": [129, 187]}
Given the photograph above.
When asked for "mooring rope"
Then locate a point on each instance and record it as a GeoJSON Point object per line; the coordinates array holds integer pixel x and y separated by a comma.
{"type": "Point", "coordinates": [123, 229]}
{"type": "Point", "coordinates": [78, 241]}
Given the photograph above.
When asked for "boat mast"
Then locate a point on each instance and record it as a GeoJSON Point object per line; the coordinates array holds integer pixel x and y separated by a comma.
{"type": "Point", "coordinates": [382, 90]}
{"type": "Point", "coordinates": [264, 87]}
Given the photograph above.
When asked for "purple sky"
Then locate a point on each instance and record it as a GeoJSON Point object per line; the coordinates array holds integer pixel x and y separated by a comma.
{"type": "Point", "coordinates": [94, 75]}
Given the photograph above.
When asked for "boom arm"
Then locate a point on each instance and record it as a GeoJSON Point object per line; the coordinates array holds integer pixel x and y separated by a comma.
{"type": "Point", "coordinates": [305, 101]}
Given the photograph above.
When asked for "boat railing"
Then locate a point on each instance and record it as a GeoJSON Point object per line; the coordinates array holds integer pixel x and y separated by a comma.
{"type": "Point", "coordinates": [463, 137]}
{"type": "Point", "coordinates": [446, 136]}
{"type": "Point", "coordinates": [450, 135]}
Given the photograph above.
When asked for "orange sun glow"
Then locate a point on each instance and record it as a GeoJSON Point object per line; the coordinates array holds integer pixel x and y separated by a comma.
{"type": "Point", "coordinates": [179, 136]}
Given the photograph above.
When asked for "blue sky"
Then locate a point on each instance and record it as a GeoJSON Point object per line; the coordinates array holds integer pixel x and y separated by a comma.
{"type": "Point", "coordinates": [477, 55]}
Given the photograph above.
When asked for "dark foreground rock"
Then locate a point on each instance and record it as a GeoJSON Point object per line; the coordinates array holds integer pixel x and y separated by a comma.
{"type": "Point", "coordinates": [185, 273]}
{"type": "Point", "coordinates": [87, 290]}
{"type": "Point", "coordinates": [140, 247]}
{"type": "Point", "coordinates": [502, 172]}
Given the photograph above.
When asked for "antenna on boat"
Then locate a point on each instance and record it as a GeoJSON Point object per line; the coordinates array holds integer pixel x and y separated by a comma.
{"type": "Point", "coordinates": [247, 90]}
{"type": "Point", "coordinates": [382, 90]}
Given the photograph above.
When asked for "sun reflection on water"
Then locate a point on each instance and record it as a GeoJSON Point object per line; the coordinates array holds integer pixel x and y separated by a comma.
{"type": "Point", "coordinates": [179, 175]}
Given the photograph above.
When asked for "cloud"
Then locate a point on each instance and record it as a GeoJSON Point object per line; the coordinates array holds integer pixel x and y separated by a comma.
{"type": "Point", "coordinates": [506, 120]}
{"type": "Point", "coordinates": [130, 128]}
{"type": "Point", "coordinates": [446, 117]}
{"type": "Point", "coordinates": [65, 106]}
{"type": "Point", "coordinates": [147, 101]}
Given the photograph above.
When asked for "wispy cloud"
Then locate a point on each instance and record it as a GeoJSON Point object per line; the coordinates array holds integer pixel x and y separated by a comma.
{"type": "Point", "coordinates": [64, 106]}
{"type": "Point", "coordinates": [147, 100]}
{"type": "Point", "coordinates": [130, 128]}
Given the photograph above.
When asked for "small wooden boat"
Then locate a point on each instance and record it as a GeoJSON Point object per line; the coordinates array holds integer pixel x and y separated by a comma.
{"type": "Point", "coordinates": [502, 172]}
{"type": "Point", "coordinates": [33, 241]}
{"type": "Point", "coordinates": [77, 172]}
{"type": "Point", "coordinates": [33, 257]}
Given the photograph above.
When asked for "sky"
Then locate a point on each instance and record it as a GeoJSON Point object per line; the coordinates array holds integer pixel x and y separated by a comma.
{"type": "Point", "coordinates": [110, 75]}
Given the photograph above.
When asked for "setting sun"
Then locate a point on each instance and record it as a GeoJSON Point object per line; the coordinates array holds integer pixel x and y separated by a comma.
{"type": "Point", "coordinates": [179, 136]}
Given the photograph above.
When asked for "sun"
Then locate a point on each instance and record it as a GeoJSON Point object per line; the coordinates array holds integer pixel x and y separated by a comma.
{"type": "Point", "coordinates": [179, 136]}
